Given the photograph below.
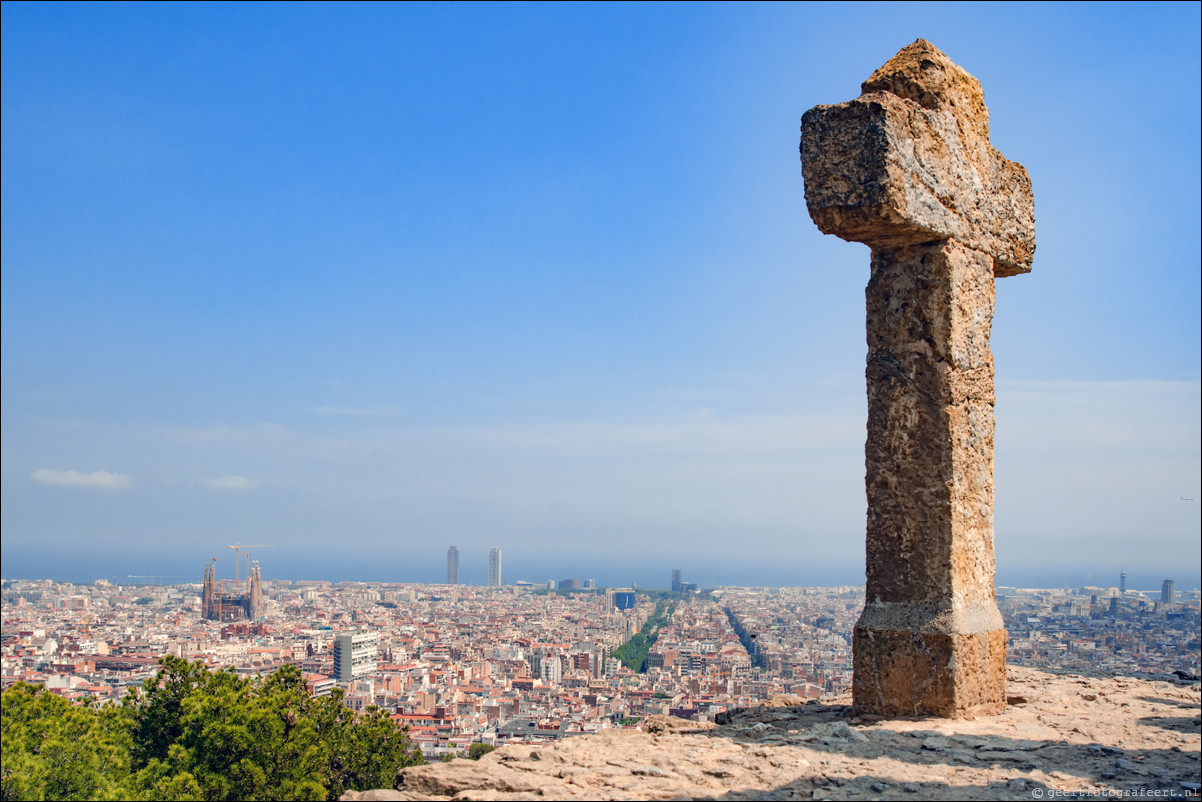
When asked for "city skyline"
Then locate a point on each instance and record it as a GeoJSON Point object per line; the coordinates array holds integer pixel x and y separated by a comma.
{"type": "Point", "coordinates": [248, 592]}
{"type": "Point", "coordinates": [365, 281]}
{"type": "Point", "coordinates": [464, 669]}
{"type": "Point", "coordinates": [418, 650]}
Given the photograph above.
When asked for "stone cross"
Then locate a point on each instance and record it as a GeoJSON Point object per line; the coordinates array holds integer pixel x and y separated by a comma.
{"type": "Point", "coordinates": [907, 169]}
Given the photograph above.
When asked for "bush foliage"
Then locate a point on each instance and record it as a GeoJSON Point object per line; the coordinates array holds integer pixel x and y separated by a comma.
{"type": "Point", "coordinates": [193, 734]}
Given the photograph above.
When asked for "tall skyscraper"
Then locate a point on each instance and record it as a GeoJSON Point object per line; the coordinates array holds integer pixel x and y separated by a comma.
{"type": "Point", "coordinates": [494, 567]}
{"type": "Point", "coordinates": [453, 565]}
{"type": "Point", "coordinates": [676, 580]}
{"type": "Point", "coordinates": [1123, 582]}
{"type": "Point", "coordinates": [1167, 592]}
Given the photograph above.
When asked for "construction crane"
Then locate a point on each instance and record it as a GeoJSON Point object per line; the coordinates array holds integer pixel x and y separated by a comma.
{"type": "Point", "coordinates": [238, 547]}
{"type": "Point", "coordinates": [248, 564]}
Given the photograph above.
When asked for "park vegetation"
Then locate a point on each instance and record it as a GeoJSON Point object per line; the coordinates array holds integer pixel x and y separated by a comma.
{"type": "Point", "coordinates": [193, 734]}
{"type": "Point", "coordinates": [633, 653]}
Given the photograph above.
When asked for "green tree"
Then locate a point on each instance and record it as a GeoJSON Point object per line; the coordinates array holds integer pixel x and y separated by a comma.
{"type": "Point", "coordinates": [198, 735]}
{"type": "Point", "coordinates": [157, 712]}
{"type": "Point", "coordinates": [55, 750]}
{"type": "Point", "coordinates": [234, 738]}
{"type": "Point", "coordinates": [365, 751]}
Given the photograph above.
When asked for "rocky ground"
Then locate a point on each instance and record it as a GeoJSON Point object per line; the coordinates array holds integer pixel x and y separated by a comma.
{"type": "Point", "coordinates": [1060, 735]}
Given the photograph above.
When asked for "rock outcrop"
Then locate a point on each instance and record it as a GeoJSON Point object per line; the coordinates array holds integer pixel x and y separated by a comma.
{"type": "Point", "coordinates": [1059, 733]}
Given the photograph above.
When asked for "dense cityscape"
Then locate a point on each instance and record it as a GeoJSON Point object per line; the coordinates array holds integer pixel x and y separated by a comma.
{"type": "Point", "coordinates": [530, 662]}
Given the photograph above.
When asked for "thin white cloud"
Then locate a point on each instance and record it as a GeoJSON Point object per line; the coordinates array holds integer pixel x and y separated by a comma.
{"type": "Point", "coordinates": [365, 412]}
{"type": "Point", "coordinates": [102, 479]}
{"type": "Point", "coordinates": [230, 483]}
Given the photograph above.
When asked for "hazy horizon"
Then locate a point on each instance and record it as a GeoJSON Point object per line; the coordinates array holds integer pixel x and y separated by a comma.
{"type": "Point", "coordinates": [474, 572]}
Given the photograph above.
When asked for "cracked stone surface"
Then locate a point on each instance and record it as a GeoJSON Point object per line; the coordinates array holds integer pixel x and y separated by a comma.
{"type": "Point", "coordinates": [1059, 732]}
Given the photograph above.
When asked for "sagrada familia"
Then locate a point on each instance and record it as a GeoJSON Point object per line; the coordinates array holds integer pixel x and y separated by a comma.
{"type": "Point", "coordinates": [220, 606]}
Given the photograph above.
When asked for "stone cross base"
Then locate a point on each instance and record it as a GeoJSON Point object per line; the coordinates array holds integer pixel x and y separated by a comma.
{"type": "Point", "coordinates": [935, 667]}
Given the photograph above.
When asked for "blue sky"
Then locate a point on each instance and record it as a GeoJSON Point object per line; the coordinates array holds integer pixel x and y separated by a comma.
{"type": "Point", "coordinates": [363, 281]}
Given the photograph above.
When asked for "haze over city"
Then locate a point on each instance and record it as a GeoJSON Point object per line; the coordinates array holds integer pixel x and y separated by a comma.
{"type": "Point", "coordinates": [365, 282]}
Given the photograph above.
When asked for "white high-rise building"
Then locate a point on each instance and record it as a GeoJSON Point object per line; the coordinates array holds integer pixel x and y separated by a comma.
{"type": "Point", "coordinates": [551, 670]}
{"type": "Point", "coordinates": [494, 567]}
{"type": "Point", "coordinates": [354, 656]}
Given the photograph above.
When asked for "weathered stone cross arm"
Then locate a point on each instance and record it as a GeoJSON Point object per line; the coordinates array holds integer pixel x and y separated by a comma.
{"type": "Point", "coordinates": [909, 161]}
